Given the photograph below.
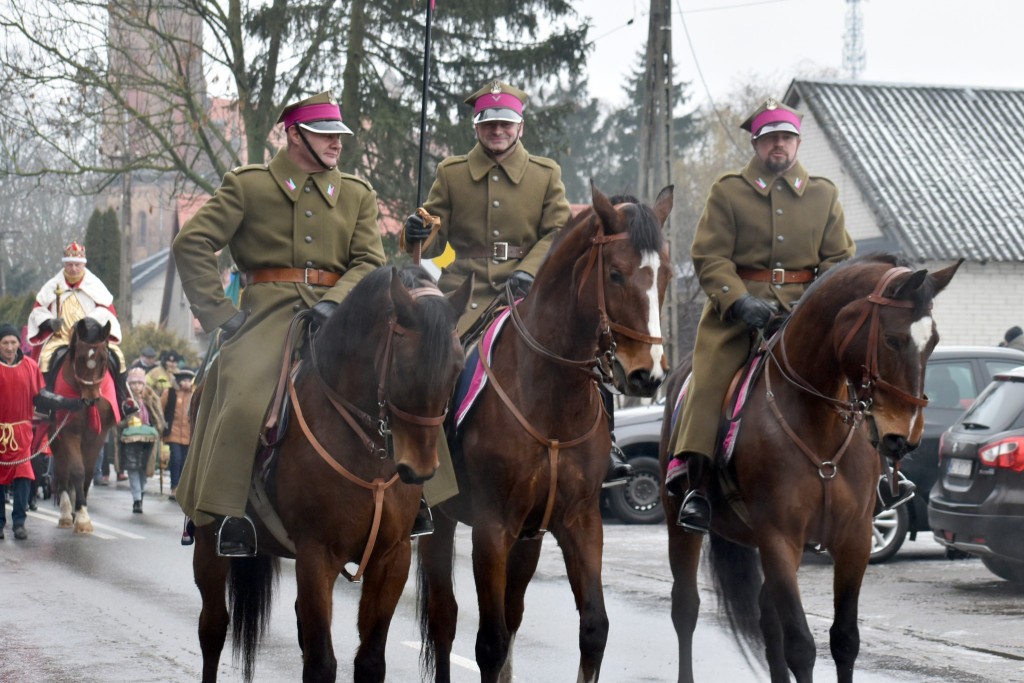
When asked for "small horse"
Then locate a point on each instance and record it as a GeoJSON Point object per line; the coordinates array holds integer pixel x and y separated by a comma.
{"type": "Point", "coordinates": [842, 383]}
{"type": "Point", "coordinates": [367, 402]}
{"type": "Point", "coordinates": [76, 439]}
{"type": "Point", "coordinates": [535, 447]}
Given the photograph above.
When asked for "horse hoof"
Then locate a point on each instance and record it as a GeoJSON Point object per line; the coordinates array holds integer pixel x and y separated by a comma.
{"type": "Point", "coordinates": [64, 524]}
{"type": "Point", "coordinates": [83, 529]}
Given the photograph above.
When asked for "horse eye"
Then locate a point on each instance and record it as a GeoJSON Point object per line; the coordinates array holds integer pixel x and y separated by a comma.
{"type": "Point", "coordinates": [894, 342]}
{"type": "Point", "coordinates": [617, 277]}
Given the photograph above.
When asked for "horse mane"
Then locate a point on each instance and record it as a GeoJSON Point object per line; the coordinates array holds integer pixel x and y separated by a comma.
{"type": "Point", "coordinates": [644, 230]}
{"type": "Point", "coordinates": [922, 297]}
{"type": "Point", "coordinates": [369, 305]}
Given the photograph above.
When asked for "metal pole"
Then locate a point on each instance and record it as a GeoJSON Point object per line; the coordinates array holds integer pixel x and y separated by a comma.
{"type": "Point", "coordinates": [423, 120]}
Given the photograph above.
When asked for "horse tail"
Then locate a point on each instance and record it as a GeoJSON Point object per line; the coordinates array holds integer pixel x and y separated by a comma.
{"type": "Point", "coordinates": [251, 585]}
{"type": "Point", "coordinates": [736, 570]}
{"type": "Point", "coordinates": [427, 654]}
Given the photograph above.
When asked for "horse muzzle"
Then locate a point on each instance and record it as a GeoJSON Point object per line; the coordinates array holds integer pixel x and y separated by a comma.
{"type": "Point", "coordinates": [640, 382]}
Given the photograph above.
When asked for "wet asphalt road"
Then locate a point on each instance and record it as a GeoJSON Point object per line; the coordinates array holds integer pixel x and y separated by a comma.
{"type": "Point", "coordinates": [120, 605]}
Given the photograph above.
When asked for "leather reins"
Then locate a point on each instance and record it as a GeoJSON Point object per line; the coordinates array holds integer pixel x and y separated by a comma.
{"type": "Point", "coordinates": [594, 368]}
{"type": "Point", "coordinates": [851, 412]}
{"type": "Point", "coordinates": [74, 366]}
{"type": "Point", "coordinates": [359, 421]}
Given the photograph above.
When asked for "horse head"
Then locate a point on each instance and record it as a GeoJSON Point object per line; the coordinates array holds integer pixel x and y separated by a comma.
{"type": "Point", "coordinates": [87, 359]}
{"type": "Point", "coordinates": [634, 272]}
{"type": "Point", "coordinates": [425, 361]}
{"type": "Point", "coordinates": [883, 342]}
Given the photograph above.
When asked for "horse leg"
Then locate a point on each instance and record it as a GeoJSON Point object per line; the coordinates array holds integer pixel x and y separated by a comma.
{"type": "Point", "coordinates": [210, 572]}
{"type": "Point", "coordinates": [65, 521]}
{"type": "Point", "coordinates": [582, 546]}
{"type": "Point", "coordinates": [684, 561]}
{"type": "Point", "coordinates": [383, 583]}
{"type": "Point", "coordinates": [851, 560]}
{"type": "Point", "coordinates": [438, 609]}
{"type": "Point", "coordinates": [315, 580]}
{"type": "Point", "coordinates": [522, 563]}
{"type": "Point", "coordinates": [782, 613]}
{"type": "Point", "coordinates": [490, 558]}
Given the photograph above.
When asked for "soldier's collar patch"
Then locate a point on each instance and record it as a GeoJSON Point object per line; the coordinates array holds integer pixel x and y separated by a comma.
{"type": "Point", "coordinates": [290, 183]}
{"type": "Point", "coordinates": [761, 183]}
{"type": "Point", "coordinates": [330, 190]}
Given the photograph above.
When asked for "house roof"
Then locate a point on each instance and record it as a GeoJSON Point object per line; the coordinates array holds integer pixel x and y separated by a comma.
{"type": "Point", "coordinates": [941, 166]}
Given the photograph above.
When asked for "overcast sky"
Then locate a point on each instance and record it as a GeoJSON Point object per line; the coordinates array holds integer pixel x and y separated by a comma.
{"type": "Point", "coordinates": [963, 42]}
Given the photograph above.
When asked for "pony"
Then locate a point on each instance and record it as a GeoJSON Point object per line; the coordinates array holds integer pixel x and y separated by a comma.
{"type": "Point", "coordinates": [842, 384]}
{"type": "Point", "coordinates": [367, 401]}
{"type": "Point", "coordinates": [77, 438]}
{"type": "Point", "coordinates": [531, 455]}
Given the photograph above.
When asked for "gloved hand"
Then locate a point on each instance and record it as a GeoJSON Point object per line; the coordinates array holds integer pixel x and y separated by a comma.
{"type": "Point", "coordinates": [415, 230]}
{"type": "Point", "coordinates": [753, 311]}
{"type": "Point", "coordinates": [52, 325]}
{"type": "Point", "coordinates": [322, 311]}
{"type": "Point", "coordinates": [228, 329]}
{"type": "Point", "coordinates": [520, 282]}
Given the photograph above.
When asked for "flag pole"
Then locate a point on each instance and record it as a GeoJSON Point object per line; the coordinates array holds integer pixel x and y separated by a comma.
{"type": "Point", "coordinates": [423, 120]}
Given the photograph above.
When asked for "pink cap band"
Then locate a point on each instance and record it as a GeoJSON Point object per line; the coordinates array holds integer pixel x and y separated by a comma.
{"type": "Point", "coordinates": [503, 100]}
{"type": "Point", "coordinates": [774, 116]}
{"type": "Point", "coordinates": [312, 112]}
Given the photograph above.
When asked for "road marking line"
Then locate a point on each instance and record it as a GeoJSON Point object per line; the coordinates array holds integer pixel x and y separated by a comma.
{"type": "Point", "coordinates": [54, 516]}
{"type": "Point", "coordinates": [455, 659]}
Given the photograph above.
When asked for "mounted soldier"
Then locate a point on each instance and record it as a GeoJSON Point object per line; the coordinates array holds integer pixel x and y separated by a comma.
{"type": "Point", "coordinates": [69, 296]}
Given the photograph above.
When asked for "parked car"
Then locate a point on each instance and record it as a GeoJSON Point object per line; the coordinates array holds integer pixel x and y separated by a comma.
{"type": "Point", "coordinates": [953, 379]}
{"type": "Point", "coordinates": [977, 504]}
{"type": "Point", "coordinates": [638, 432]}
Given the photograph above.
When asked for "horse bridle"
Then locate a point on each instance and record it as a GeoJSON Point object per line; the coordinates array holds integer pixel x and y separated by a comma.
{"type": "Point", "coordinates": [90, 363]}
{"type": "Point", "coordinates": [599, 368]}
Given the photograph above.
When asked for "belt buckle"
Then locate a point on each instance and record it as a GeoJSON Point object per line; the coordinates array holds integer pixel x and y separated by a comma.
{"type": "Point", "coordinates": [305, 276]}
{"type": "Point", "coordinates": [499, 252]}
{"type": "Point", "coordinates": [778, 276]}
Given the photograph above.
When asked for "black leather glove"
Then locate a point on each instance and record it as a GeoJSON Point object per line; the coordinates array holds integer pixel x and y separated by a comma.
{"type": "Point", "coordinates": [415, 230]}
{"type": "Point", "coordinates": [47, 400]}
{"type": "Point", "coordinates": [234, 323]}
{"type": "Point", "coordinates": [753, 311]}
{"type": "Point", "coordinates": [520, 282]}
{"type": "Point", "coordinates": [52, 325]}
{"type": "Point", "coordinates": [322, 311]}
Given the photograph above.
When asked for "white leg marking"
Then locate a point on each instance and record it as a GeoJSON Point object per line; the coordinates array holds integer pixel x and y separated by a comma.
{"type": "Point", "coordinates": [652, 260]}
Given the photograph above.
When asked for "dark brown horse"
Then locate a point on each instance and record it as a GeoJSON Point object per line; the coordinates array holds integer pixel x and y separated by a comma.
{"type": "Point", "coordinates": [368, 399]}
{"type": "Point", "coordinates": [77, 439]}
{"type": "Point", "coordinates": [843, 382]}
{"type": "Point", "coordinates": [535, 447]}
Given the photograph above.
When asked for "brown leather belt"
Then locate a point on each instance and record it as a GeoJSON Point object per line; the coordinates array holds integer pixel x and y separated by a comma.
{"type": "Point", "coordinates": [309, 276]}
{"type": "Point", "coordinates": [499, 251]}
{"type": "Point", "coordinates": [778, 276]}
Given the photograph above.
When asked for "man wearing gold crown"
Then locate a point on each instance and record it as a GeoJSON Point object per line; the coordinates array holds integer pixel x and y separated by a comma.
{"type": "Point", "coordinates": [67, 297]}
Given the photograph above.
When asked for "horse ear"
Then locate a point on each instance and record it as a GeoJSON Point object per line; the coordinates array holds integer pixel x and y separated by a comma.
{"type": "Point", "coordinates": [941, 278]}
{"type": "Point", "coordinates": [663, 204]}
{"type": "Point", "coordinates": [909, 283]}
{"type": "Point", "coordinates": [459, 299]}
{"type": "Point", "coordinates": [603, 208]}
{"type": "Point", "coordinates": [106, 330]}
{"type": "Point", "coordinates": [405, 307]}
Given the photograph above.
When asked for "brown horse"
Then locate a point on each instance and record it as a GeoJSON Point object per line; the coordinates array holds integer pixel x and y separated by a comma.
{"type": "Point", "coordinates": [77, 438]}
{"type": "Point", "coordinates": [368, 399]}
{"type": "Point", "coordinates": [843, 381]}
{"type": "Point", "coordinates": [535, 447]}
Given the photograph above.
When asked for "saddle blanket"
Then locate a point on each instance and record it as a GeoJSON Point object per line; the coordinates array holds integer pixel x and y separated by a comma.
{"type": "Point", "coordinates": [474, 377]}
{"type": "Point", "coordinates": [106, 391]}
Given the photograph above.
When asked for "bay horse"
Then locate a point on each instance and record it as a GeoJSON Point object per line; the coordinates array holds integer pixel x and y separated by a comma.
{"type": "Point", "coordinates": [367, 402]}
{"type": "Point", "coordinates": [78, 438]}
{"type": "Point", "coordinates": [842, 383]}
{"type": "Point", "coordinates": [534, 449]}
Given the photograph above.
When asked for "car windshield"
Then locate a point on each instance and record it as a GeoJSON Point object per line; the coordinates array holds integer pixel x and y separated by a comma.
{"type": "Point", "coordinates": [998, 408]}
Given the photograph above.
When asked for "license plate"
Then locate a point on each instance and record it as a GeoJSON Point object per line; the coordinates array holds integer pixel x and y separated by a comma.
{"type": "Point", "coordinates": [958, 467]}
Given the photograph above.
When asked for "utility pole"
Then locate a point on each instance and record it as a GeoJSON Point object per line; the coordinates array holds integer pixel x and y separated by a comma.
{"type": "Point", "coordinates": [4, 234]}
{"type": "Point", "coordinates": [656, 135]}
{"type": "Point", "coordinates": [854, 52]}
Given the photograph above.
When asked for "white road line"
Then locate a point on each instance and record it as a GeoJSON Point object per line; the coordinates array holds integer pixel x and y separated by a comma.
{"type": "Point", "coordinates": [54, 516]}
{"type": "Point", "coordinates": [455, 659]}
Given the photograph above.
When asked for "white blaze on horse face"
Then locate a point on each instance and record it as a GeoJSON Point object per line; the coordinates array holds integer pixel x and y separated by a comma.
{"type": "Point", "coordinates": [921, 332]}
{"type": "Point", "coordinates": [652, 260]}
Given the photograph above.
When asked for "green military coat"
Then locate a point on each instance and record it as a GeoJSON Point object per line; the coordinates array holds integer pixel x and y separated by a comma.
{"type": "Point", "coordinates": [752, 219]}
{"type": "Point", "coordinates": [269, 216]}
{"type": "Point", "coordinates": [520, 202]}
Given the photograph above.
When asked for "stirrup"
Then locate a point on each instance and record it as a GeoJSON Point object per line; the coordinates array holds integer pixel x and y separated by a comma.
{"type": "Point", "coordinates": [423, 525]}
{"type": "Point", "coordinates": [236, 537]}
{"type": "Point", "coordinates": [885, 500]}
{"type": "Point", "coordinates": [619, 471]}
{"type": "Point", "coordinates": [695, 513]}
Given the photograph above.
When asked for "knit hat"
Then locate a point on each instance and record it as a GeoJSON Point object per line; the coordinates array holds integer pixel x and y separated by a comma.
{"type": "Point", "coordinates": [1012, 333]}
{"type": "Point", "coordinates": [7, 330]}
{"type": "Point", "coordinates": [136, 375]}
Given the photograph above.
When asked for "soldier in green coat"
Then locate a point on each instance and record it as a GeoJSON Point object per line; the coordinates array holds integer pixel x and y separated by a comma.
{"type": "Point", "coordinates": [499, 208]}
{"type": "Point", "coordinates": [302, 235]}
{"type": "Point", "coordinates": [766, 232]}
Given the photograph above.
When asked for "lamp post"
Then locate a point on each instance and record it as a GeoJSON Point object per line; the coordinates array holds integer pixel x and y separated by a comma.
{"type": "Point", "coordinates": [4, 234]}
{"type": "Point", "coordinates": [124, 307]}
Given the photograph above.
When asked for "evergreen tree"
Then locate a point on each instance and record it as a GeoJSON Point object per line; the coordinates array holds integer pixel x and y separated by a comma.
{"type": "Point", "coordinates": [105, 252]}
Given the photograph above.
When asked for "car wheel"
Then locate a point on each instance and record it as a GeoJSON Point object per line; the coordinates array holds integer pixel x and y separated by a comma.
{"type": "Point", "coordinates": [1005, 569]}
{"type": "Point", "coordinates": [888, 531]}
{"type": "Point", "coordinates": [639, 500]}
